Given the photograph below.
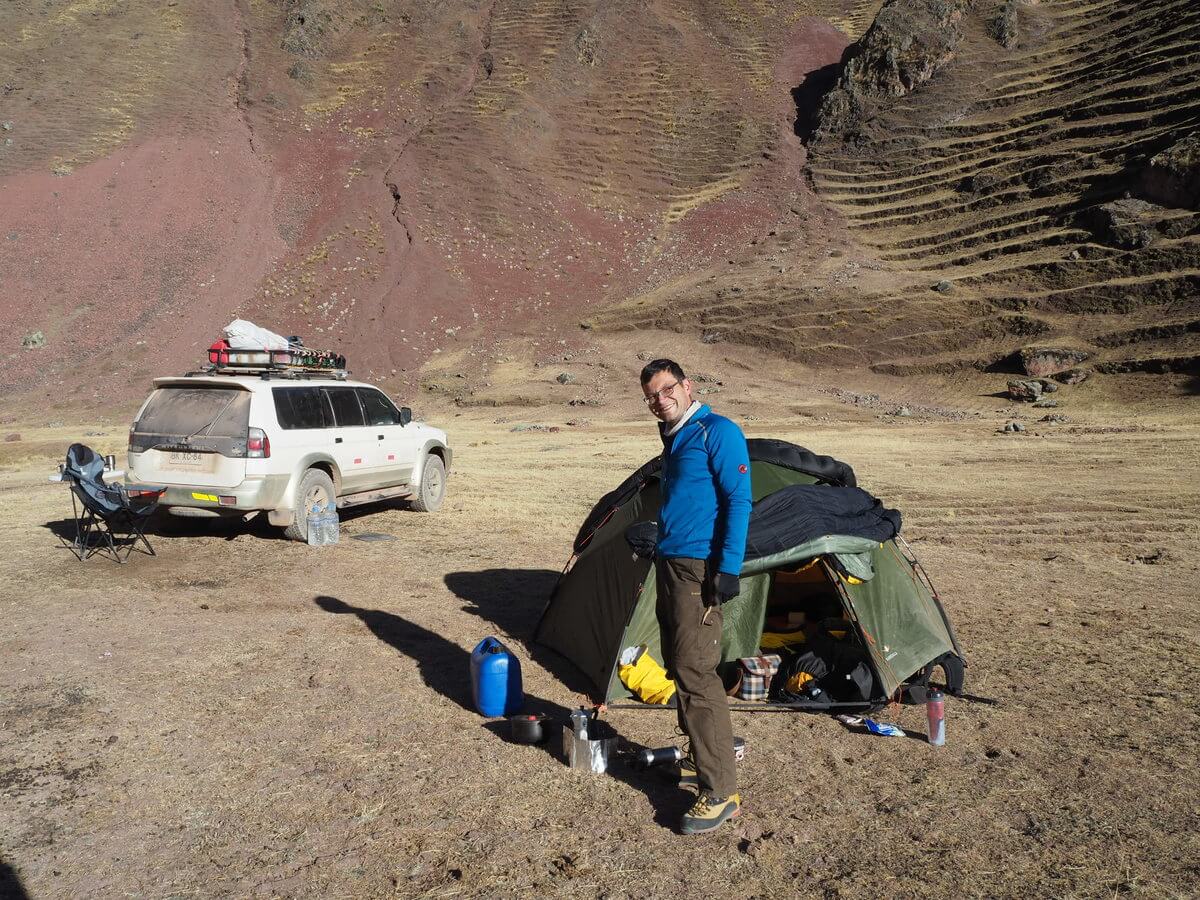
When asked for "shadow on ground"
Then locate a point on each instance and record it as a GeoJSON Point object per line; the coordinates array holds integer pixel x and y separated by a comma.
{"type": "Point", "coordinates": [808, 96]}
{"type": "Point", "coordinates": [10, 883]}
{"type": "Point", "coordinates": [445, 667]}
{"type": "Point", "coordinates": [513, 600]}
{"type": "Point", "coordinates": [228, 528]}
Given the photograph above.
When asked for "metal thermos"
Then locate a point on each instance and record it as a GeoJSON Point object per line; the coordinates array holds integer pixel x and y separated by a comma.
{"type": "Point", "coordinates": [935, 711]}
{"type": "Point", "coordinates": [647, 758]}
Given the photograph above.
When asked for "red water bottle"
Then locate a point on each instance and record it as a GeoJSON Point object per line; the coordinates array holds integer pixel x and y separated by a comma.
{"type": "Point", "coordinates": [935, 711]}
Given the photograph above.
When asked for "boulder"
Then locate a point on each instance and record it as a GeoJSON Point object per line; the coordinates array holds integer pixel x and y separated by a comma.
{"type": "Point", "coordinates": [1043, 361]}
{"type": "Point", "coordinates": [1024, 390]}
{"type": "Point", "coordinates": [909, 41]}
{"type": "Point", "coordinates": [564, 378]}
{"type": "Point", "coordinates": [1072, 376]}
{"type": "Point", "coordinates": [1127, 224]}
{"type": "Point", "coordinates": [1045, 403]}
{"type": "Point", "coordinates": [979, 183]}
{"type": "Point", "coordinates": [33, 340]}
{"type": "Point", "coordinates": [1172, 178]}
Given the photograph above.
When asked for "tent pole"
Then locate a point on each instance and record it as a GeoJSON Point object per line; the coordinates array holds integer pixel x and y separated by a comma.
{"type": "Point", "coordinates": [796, 707]}
{"type": "Point", "coordinates": [753, 707]}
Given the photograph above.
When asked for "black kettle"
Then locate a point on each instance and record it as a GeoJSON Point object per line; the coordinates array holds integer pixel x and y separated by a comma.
{"type": "Point", "coordinates": [528, 729]}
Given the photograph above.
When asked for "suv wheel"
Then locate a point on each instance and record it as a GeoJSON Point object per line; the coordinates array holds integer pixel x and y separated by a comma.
{"type": "Point", "coordinates": [316, 489]}
{"type": "Point", "coordinates": [433, 485]}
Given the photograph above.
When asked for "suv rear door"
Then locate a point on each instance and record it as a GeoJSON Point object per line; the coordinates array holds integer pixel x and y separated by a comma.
{"type": "Point", "coordinates": [191, 434]}
{"type": "Point", "coordinates": [395, 445]}
{"type": "Point", "coordinates": [351, 441]}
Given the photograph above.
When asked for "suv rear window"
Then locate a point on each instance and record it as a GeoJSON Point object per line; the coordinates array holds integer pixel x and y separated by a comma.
{"type": "Point", "coordinates": [346, 410]}
{"type": "Point", "coordinates": [301, 407]}
{"type": "Point", "coordinates": [204, 417]}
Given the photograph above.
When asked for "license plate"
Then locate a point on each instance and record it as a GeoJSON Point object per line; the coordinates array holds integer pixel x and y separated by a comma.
{"type": "Point", "coordinates": [190, 461]}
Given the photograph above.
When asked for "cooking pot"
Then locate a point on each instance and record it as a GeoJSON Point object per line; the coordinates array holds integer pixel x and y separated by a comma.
{"type": "Point", "coordinates": [527, 729]}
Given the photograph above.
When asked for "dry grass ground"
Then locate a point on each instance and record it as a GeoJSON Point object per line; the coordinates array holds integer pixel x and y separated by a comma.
{"type": "Point", "coordinates": [242, 716]}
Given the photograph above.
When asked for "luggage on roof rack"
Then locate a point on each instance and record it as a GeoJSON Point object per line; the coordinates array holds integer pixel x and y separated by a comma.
{"type": "Point", "coordinates": [295, 361]}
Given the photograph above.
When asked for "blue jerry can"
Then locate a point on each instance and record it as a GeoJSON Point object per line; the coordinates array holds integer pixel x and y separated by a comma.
{"type": "Point", "coordinates": [496, 679]}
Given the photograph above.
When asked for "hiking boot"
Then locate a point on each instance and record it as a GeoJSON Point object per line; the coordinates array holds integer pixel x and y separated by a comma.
{"type": "Point", "coordinates": [709, 812]}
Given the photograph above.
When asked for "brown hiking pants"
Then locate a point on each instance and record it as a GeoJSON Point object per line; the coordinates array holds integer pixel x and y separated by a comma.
{"type": "Point", "coordinates": [691, 646]}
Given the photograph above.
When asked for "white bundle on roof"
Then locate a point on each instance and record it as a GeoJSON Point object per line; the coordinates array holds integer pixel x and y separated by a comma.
{"type": "Point", "coordinates": [243, 335]}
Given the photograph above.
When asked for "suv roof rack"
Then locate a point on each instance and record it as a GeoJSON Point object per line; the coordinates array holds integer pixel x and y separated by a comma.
{"type": "Point", "coordinates": [268, 373]}
{"type": "Point", "coordinates": [297, 362]}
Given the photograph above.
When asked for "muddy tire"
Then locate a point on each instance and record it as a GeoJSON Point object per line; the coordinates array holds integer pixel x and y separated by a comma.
{"type": "Point", "coordinates": [433, 486]}
{"type": "Point", "coordinates": [316, 488]}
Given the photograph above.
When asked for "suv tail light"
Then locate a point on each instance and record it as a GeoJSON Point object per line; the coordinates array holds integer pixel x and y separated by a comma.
{"type": "Point", "coordinates": [258, 445]}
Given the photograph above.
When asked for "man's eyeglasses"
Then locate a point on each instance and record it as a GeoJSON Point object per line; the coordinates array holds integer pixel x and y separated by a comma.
{"type": "Point", "coordinates": [661, 394]}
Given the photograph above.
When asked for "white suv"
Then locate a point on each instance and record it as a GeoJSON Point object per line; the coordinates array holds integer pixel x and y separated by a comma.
{"type": "Point", "coordinates": [239, 444]}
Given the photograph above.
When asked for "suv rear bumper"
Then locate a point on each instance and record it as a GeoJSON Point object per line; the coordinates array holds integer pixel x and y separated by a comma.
{"type": "Point", "coordinates": [261, 492]}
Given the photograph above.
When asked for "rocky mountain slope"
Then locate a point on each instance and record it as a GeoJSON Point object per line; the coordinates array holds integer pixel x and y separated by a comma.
{"type": "Point", "coordinates": [409, 179]}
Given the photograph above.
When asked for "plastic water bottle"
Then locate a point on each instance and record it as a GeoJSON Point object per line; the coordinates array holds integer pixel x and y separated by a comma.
{"type": "Point", "coordinates": [332, 527]}
{"type": "Point", "coordinates": [935, 711]}
{"type": "Point", "coordinates": [316, 528]}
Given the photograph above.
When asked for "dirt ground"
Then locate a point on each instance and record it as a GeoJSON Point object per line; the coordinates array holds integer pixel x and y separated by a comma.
{"type": "Point", "coordinates": [243, 716]}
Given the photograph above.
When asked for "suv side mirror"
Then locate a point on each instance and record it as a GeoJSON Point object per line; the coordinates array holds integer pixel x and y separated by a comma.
{"type": "Point", "coordinates": [405, 415]}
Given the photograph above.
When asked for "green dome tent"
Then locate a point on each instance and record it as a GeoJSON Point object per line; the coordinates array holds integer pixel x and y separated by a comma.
{"type": "Point", "coordinates": [605, 599]}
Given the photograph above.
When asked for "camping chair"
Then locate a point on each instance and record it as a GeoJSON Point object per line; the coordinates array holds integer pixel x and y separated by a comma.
{"type": "Point", "coordinates": [108, 513]}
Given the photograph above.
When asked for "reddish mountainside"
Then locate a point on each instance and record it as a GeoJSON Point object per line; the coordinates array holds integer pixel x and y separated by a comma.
{"type": "Point", "coordinates": [399, 180]}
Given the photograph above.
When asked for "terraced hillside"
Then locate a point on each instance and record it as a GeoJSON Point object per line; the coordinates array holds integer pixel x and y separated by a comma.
{"type": "Point", "coordinates": [409, 179]}
{"type": "Point", "coordinates": [997, 179]}
{"type": "Point", "coordinates": [1005, 197]}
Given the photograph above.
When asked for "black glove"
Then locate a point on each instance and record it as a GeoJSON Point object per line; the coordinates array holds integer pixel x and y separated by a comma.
{"type": "Point", "coordinates": [642, 537]}
{"type": "Point", "coordinates": [722, 588]}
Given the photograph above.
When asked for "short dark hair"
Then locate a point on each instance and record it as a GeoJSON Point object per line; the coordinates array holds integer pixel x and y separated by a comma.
{"type": "Point", "coordinates": [655, 366]}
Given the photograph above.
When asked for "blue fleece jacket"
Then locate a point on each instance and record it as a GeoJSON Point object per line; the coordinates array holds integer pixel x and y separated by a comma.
{"type": "Point", "coordinates": [706, 492]}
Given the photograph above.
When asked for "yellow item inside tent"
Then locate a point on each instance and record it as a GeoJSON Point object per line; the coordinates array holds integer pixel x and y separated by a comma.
{"type": "Point", "coordinates": [809, 573]}
{"type": "Point", "coordinates": [647, 680]}
{"type": "Point", "coordinates": [798, 681]}
{"type": "Point", "coordinates": [773, 640]}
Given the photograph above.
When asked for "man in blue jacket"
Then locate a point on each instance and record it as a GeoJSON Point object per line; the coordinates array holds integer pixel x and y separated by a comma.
{"type": "Point", "coordinates": [701, 542]}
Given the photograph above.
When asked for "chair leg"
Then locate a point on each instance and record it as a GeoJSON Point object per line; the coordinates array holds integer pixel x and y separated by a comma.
{"type": "Point", "coordinates": [138, 526]}
{"type": "Point", "coordinates": [78, 545]}
{"type": "Point", "coordinates": [132, 531]}
{"type": "Point", "coordinates": [91, 527]}
{"type": "Point", "coordinates": [109, 545]}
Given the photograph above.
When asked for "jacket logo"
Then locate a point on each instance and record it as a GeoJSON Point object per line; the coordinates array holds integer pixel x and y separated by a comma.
{"type": "Point", "coordinates": [743, 469]}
